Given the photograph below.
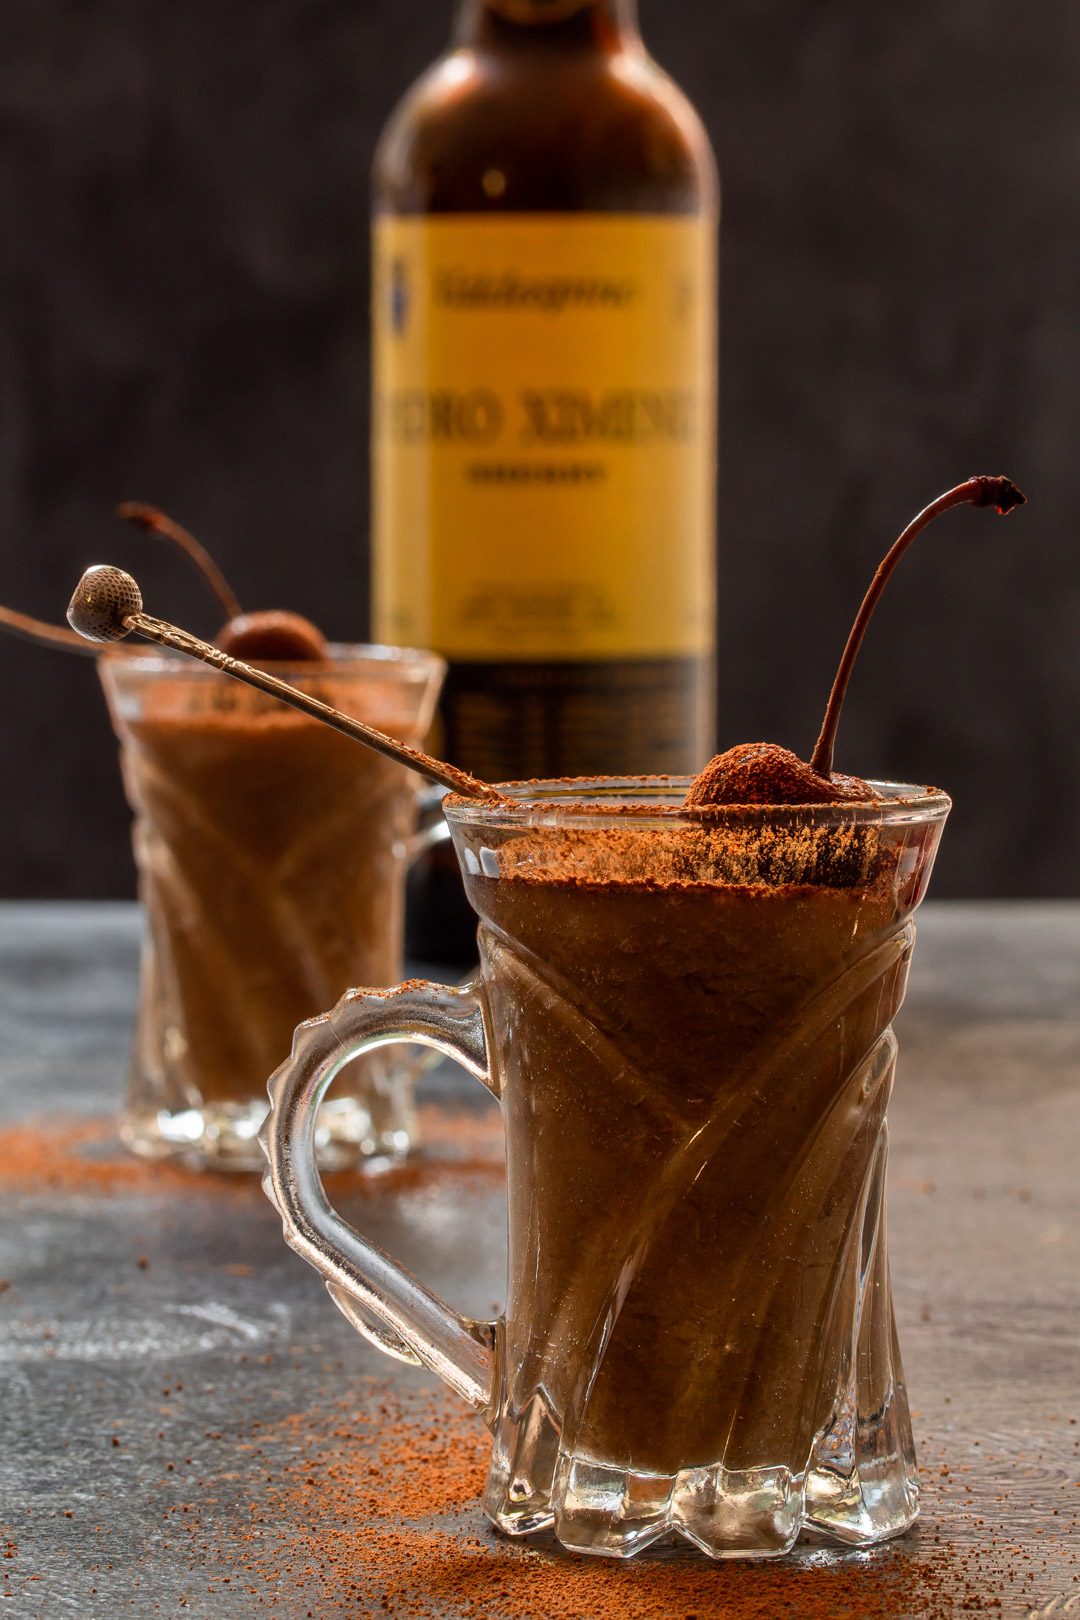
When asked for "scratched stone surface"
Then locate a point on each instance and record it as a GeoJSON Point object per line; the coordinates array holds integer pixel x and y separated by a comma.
{"type": "Point", "coordinates": [189, 1427]}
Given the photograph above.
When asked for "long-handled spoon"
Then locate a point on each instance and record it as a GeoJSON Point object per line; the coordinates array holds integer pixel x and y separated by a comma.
{"type": "Point", "coordinates": [108, 605]}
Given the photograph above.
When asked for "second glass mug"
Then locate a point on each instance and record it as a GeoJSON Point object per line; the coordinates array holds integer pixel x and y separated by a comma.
{"type": "Point", "coordinates": [271, 855]}
{"type": "Point", "coordinates": [688, 1026]}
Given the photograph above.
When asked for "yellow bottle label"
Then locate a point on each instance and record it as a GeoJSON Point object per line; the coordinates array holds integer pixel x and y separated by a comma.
{"type": "Point", "coordinates": [543, 439]}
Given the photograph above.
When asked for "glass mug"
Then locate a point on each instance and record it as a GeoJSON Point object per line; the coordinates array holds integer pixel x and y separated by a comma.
{"type": "Point", "coordinates": [688, 1025]}
{"type": "Point", "coordinates": [271, 855]}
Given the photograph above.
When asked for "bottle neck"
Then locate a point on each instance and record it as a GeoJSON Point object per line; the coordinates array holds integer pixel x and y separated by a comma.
{"type": "Point", "coordinates": [600, 24]}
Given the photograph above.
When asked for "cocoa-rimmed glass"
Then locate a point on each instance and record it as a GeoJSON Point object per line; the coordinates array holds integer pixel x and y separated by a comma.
{"type": "Point", "coordinates": [271, 855]}
{"type": "Point", "coordinates": [687, 1020]}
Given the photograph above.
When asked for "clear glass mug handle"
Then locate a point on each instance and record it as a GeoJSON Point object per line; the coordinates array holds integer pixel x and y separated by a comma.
{"type": "Point", "coordinates": [381, 1299]}
{"type": "Point", "coordinates": [432, 827]}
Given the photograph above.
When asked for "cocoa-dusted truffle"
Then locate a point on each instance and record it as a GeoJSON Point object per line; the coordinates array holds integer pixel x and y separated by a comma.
{"type": "Point", "coordinates": [765, 773]}
{"type": "Point", "coordinates": [273, 636]}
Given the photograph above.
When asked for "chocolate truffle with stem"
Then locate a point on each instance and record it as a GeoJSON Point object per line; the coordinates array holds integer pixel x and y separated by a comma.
{"type": "Point", "coordinates": [765, 773]}
{"type": "Point", "coordinates": [269, 636]}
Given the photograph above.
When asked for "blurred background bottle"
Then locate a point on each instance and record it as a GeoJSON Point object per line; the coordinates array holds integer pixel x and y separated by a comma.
{"type": "Point", "coordinates": [544, 376]}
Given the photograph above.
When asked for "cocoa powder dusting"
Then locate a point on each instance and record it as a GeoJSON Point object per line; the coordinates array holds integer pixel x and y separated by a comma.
{"type": "Point", "coordinates": [84, 1157]}
{"type": "Point", "coordinates": [784, 855]}
{"type": "Point", "coordinates": [378, 1513]}
{"type": "Point", "coordinates": [366, 1500]}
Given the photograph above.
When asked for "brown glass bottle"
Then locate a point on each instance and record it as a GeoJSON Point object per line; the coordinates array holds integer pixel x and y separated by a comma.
{"type": "Point", "coordinates": [544, 394]}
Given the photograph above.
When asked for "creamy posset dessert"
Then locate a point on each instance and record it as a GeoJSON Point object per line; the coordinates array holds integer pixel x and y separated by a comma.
{"type": "Point", "coordinates": [694, 1082]}
{"type": "Point", "coordinates": [690, 1033]}
{"type": "Point", "coordinates": [271, 856]}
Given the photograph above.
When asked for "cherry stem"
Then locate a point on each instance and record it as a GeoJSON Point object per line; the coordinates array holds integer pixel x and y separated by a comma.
{"type": "Point", "coordinates": [157, 522]}
{"type": "Point", "coordinates": [999, 492]}
{"type": "Point", "coordinates": [46, 635]}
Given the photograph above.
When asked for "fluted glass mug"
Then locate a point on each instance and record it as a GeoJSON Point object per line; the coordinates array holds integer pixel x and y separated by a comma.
{"type": "Point", "coordinates": [271, 855]}
{"type": "Point", "coordinates": [687, 1021]}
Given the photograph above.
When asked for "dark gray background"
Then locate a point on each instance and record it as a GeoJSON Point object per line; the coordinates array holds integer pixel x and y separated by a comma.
{"type": "Point", "coordinates": [183, 291]}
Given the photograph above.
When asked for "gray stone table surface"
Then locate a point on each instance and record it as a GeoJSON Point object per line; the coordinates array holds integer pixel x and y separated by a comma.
{"type": "Point", "coordinates": [189, 1427]}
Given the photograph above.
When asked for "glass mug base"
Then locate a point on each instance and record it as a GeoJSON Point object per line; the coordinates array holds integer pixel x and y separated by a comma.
{"type": "Point", "coordinates": [688, 1026]}
{"type": "Point", "coordinates": [760, 1513]}
{"type": "Point", "coordinates": [349, 1133]}
{"type": "Point", "coordinates": [858, 1485]}
{"type": "Point", "coordinates": [593, 1506]}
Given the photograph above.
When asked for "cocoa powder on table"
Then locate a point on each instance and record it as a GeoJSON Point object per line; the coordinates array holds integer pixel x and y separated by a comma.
{"type": "Point", "coordinates": [378, 1512]}
{"type": "Point", "coordinates": [367, 1501]}
{"type": "Point", "coordinates": [84, 1156]}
